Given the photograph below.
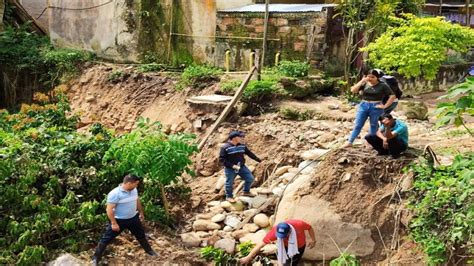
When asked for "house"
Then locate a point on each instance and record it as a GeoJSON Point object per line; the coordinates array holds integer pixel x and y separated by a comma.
{"type": "Point", "coordinates": [181, 31]}
{"type": "Point", "coordinates": [456, 11]}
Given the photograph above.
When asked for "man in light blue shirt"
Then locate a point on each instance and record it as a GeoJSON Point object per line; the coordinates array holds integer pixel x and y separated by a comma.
{"type": "Point", "coordinates": [124, 211]}
{"type": "Point", "coordinates": [391, 138]}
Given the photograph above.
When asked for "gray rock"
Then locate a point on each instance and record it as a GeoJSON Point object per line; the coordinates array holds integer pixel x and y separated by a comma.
{"type": "Point", "coordinates": [226, 244]}
{"type": "Point", "coordinates": [191, 239]}
{"type": "Point", "coordinates": [66, 260]}
{"type": "Point", "coordinates": [232, 221]}
{"type": "Point", "coordinates": [218, 218]}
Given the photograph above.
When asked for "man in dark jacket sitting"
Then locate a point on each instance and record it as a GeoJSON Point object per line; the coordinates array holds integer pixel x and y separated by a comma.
{"type": "Point", "coordinates": [232, 157]}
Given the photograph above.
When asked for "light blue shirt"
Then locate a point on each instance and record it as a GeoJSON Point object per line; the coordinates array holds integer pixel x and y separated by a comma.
{"type": "Point", "coordinates": [401, 129]}
{"type": "Point", "coordinates": [126, 202]}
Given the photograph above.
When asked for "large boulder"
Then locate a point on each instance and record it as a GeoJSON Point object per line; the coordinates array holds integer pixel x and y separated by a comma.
{"type": "Point", "coordinates": [66, 260]}
{"type": "Point", "coordinates": [326, 223]}
{"type": "Point", "coordinates": [191, 239]}
{"type": "Point", "coordinates": [413, 110]}
{"type": "Point", "coordinates": [255, 238]}
{"type": "Point", "coordinates": [226, 244]}
{"type": "Point", "coordinates": [261, 220]}
{"type": "Point", "coordinates": [205, 225]}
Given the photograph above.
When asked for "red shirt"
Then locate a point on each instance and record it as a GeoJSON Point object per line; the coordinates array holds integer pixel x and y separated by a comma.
{"type": "Point", "coordinates": [299, 226]}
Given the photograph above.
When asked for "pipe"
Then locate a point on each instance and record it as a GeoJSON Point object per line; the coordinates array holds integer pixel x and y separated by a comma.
{"type": "Point", "coordinates": [252, 60]}
{"type": "Point", "coordinates": [227, 61]}
{"type": "Point", "coordinates": [277, 58]}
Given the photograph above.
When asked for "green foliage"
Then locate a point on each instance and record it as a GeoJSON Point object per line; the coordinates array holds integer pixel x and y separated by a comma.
{"type": "Point", "coordinates": [243, 249]}
{"type": "Point", "coordinates": [200, 75]}
{"type": "Point", "coordinates": [294, 114]}
{"type": "Point", "coordinates": [230, 86]}
{"type": "Point", "coordinates": [53, 180]}
{"type": "Point", "coordinates": [443, 207]}
{"type": "Point", "coordinates": [64, 63]}
{"type": "Point", "coordinates": [345, 259]}
{"type": "Point", "coordinates": [453, 59]}
{"type": "Point", "coordinates": [293, 68]}
{"type": "Point", "coordinates": [150, 153]}
{"type": "Point", "coordinates": [151, 67]}
{"type": "Point", "coordinates": [418, 46]}
{"type": "Point", "coordinates": [462, 103]}
{"type": "Point", "coordinates": [115, 75]}
{"type": "Point", "coordinates": [23, 50]}
{"type": "Point", "coordinates": [220, 257]}
{"type": "Point", "coordinates": [258, 91]}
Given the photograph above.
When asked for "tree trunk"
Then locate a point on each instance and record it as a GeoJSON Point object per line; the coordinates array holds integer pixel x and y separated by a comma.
{"type": "Point", "coordinates": [2, 12]}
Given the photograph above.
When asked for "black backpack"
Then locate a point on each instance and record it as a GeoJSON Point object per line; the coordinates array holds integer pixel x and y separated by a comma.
{"type": "Point", "coordinates": [392, 82]}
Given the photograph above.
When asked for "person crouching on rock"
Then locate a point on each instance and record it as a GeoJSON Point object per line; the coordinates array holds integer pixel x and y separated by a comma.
{"type": "Point", "coordinates": [124, 211]}
{"type": "Point", "coordinates": [232, 157]}
{"type": "Point", "coordinates": [391, 138]}
{"type": "Point", "coordinates": [290, 239]}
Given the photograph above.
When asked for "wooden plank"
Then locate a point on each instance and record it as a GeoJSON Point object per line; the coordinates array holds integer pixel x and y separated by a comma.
{"type": "Point", "coordinates": [229, 107]}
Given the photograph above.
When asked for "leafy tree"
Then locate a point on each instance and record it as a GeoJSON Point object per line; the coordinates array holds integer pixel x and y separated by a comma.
{"type": "Point", "coordinates": [453, 112]}
{"type": "Point", "coordinates": [418, 46]}
{"type": "Point", "coordinates": [150, 153]}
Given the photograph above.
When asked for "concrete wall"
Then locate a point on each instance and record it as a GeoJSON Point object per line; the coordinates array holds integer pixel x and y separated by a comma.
{"type": "Point", "coordinates": [288, 33]}
{"type": "Point", "coordinates": [104, 30]}
{"type": "Point", "coordinates": [35, 8]}
{"type": "Point", "coordinates": [447, 77]}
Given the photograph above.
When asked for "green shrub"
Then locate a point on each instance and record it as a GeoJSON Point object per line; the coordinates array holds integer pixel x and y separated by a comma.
{"type": "Point", "coordinates": [294, 114]}
{"type": "Point", "coordinates": [64, 63]}
{"type": "Point", "coordinates": [115, 75]}
{"type": "Point", "coordinates": [230, 86]}
{"type": "Point", "coordinates": [151, 67]}
{"type": "Point", "coordinates": [218, 256]}
{"type": "Point", "coordinates": [294, 69]}
{"type": "Point", "coordinates": [443, 204]}
{"type": "Point", "coordinates": [345, 259]}
{"type": "Point", "coordinates": [54, 180]}
{"type": "Point", "coordinates": [258, 91]}
{"type": "Point", "coordinates": [200, 75]}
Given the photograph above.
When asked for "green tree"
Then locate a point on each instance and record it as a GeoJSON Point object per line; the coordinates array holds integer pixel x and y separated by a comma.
{"type": "Point", "coordinates": [418, 46]}
{"type": "Point", "coordinates": [150, 153]}
{"type": "Point", "coordinates": [454, 111]}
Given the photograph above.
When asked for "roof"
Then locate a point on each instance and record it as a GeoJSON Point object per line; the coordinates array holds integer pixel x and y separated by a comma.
{"type": "Point", "coordinates": [278, 8]}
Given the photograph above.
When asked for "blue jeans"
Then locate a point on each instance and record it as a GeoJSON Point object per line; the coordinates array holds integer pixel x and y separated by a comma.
{"type": "Point", "coordinates": [230, 175]}
{"type": "Point", "coordinates": [389, 109]}
{"type": "Point", "coordinates": [366, 110]}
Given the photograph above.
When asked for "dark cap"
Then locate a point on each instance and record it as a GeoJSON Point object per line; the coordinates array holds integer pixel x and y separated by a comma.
{"type": "Point", "coordinates": [282, 230]}
{"type": "Point", "coordinates": [236, 133]}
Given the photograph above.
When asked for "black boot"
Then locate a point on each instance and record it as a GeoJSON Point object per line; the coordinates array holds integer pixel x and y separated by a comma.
{"type": "Point", "coordinates": [146, 246]}
{"type": "Point", "coordinates": [99, 251]}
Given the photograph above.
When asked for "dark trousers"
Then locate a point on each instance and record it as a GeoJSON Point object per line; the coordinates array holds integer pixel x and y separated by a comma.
{"type": "Point", "coordinates": [133, 224]}
{"type": "Point", "coordinates": [293, 261]}
{"type": "Point", "coordinates": [395, 145]}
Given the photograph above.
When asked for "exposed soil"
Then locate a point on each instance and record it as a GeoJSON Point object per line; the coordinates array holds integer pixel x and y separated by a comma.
{"type": "Point", "coordinates": [277, 141]}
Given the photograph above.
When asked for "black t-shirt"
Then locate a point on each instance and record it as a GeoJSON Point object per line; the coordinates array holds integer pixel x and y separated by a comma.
{"type": "Point", "coordinates": [377, 92]}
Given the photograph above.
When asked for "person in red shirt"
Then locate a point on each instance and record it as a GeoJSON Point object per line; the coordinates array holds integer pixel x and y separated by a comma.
{"type": "Point", "coordinates": [282, 231]}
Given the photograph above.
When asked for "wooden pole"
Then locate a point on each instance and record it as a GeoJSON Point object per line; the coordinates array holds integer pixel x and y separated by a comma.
{"type": "Point", "coordinates": [229, 107]}
{"type": "Point", "coordinates": [468, 13]}
{"type": "Point", "coordinates": [170, 36]}
{"type": "Point", "coordinates": [265, 33]}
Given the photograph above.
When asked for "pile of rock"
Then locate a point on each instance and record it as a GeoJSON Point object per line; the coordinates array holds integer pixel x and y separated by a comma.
{"type": "Point", "coordinates": [224, 224]}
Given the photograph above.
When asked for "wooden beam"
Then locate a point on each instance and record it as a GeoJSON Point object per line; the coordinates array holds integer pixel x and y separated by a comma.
{"type": "Point", "coordinates": [229, 107]}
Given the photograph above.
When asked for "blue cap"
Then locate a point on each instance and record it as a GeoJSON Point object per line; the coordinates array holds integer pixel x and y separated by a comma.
{"type": "Point", "coordinates": [282, 230]}
{"type": "Point", "coordinates": [236, 133]}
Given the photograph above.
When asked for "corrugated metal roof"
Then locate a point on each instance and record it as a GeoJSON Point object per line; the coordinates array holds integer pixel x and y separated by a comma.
{"type": "Point", "coordinates": [279, 8]}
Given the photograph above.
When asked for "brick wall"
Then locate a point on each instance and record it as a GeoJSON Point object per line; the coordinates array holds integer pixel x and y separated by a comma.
{"type": "Point", "coordinates": [295, 35]}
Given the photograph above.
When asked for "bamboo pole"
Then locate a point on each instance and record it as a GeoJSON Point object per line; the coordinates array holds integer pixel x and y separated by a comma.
{"type": "Point", "coordinates": [170, 36]}
{"type": "Point", "coordinates": [229, 107]}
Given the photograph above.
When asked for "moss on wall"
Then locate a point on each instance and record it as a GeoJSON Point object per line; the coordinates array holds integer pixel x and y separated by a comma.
{"type": "Point", "coordinates": [181, 46]}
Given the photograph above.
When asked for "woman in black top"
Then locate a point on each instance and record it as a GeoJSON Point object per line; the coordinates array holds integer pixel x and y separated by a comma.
{"type": "Point", "coordinates": [372, 92]}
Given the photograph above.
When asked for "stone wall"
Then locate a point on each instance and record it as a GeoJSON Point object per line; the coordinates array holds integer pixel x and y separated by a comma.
{"type": "Point", "coordinates": [447, 77]}
{"type": "Point", "coordinates": [291, 34]}
{"type": "Point", "coordinates": [108, 30]}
